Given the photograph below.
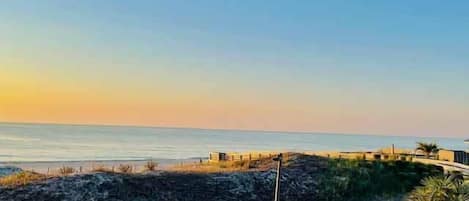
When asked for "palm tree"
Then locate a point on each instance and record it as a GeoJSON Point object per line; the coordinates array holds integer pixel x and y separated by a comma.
{"type": "Point", "coordinates": [427, 148]}
{"type": "Point", "coordinates": [441, 189]}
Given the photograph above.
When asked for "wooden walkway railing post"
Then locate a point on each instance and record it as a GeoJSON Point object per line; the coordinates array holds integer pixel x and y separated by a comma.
{"type": "Point", "coordinates": [277, 181]}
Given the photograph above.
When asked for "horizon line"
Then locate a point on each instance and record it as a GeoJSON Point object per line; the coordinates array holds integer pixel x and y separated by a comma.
{"type": "Point", "coordinates": [223, 129]}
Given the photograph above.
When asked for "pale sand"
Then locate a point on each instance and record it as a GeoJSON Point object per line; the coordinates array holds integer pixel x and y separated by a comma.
{"type": "Point", "coordinates": [86, 166]}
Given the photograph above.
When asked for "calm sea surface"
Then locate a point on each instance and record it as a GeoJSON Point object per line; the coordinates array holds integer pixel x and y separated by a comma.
{"type": "Point", "coordinates": [46, 142]}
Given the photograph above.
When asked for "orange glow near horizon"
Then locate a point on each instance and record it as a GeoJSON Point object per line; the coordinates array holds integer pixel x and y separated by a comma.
{"type": "Point", "coordinates": [31, 98]}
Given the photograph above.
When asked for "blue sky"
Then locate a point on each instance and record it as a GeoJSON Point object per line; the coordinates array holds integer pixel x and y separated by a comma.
{"type": "Point", "coordinates": [364, 57]}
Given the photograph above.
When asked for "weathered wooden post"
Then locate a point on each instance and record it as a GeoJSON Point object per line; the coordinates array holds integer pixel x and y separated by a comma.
{"type": "Point", "coordinates": [393, 152]}
{"type": "Point", "coordinates": [277, 181]}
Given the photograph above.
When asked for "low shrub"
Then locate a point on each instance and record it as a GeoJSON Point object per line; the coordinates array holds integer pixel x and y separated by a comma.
{"type": "Point", "coordinates": [151, 166]}
{"type": "Point", "coordinates": [125, 168]}
{"type": "Point", "coordinates": [65, 170]}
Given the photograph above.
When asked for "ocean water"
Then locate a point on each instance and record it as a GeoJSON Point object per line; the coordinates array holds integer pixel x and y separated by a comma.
{"type": "Point", "coordinates": [48, 142]}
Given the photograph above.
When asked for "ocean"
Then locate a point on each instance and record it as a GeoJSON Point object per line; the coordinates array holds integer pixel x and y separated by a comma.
{"type": "Point", "coordinates": [53, 142]}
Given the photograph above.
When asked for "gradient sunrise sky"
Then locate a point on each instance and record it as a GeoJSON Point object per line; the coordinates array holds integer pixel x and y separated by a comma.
{"type": "Point", "coordinates": [371, 67]}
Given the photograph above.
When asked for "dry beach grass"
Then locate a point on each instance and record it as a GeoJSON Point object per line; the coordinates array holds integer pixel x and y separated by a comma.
{"type": "Point", "coordinates": [21, 178]}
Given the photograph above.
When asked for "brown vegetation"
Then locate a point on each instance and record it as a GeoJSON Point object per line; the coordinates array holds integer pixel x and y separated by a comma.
{"type": "Point", "coordinates": [101, 168]}
{"type": "Point", "coordinates": [21, 178]}
{"type": "Point", "coordinates": [226, 166]}
{"type": "Point", "coordinates": [125, 168]}
{"type": "Point", "coordinates": [151, 166]}
{"type": "Point", "coordinates": [65, 170]}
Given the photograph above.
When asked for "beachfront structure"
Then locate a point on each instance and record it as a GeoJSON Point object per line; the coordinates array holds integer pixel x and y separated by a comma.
{"type": "Point", "coordinates": [216, 156]}
{"type": "Point", "coordinates": [369, 155]}
{"type": "Point", "coordinates": [390, 153]}
{"type": "Point", "coordinates": [454, 156]}
{"type": "Point", "coordinates": [235, 156]}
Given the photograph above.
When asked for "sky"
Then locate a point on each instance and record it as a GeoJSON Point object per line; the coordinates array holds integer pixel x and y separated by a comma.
{"type": "Point", "coordinates": [368, 67]}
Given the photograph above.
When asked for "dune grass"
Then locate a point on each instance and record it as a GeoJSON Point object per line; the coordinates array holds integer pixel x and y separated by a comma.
{"type": "Point", "coordinates": [65, 170]}
{"type": "Point", "coordinates": [226, 166]}
{"type": "Point", "coordinates": [21, 178]}
{"type": "Point", "coordinates": [150, 165]}
{"type": "Point", "coordinates": [125, 168]}
{"type": "Point", "coordinates": [101, 168]}
{"type": "Point", "coordinates": [208, 167]}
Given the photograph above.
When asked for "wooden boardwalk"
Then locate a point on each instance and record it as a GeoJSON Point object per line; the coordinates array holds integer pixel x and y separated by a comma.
{"type": "Point", "coordinates": [447, 166]}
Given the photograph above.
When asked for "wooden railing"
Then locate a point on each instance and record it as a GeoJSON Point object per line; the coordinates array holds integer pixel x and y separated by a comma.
{"type": "Point", "coordinates": [447, 166]}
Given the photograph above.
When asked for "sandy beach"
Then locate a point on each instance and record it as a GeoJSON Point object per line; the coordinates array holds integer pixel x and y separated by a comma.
{"type": "Point", "coordinates": [52, 167]}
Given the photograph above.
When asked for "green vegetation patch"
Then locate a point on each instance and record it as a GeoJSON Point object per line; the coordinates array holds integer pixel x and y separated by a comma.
{"type": "Point", "coordinates": [366, 180]}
